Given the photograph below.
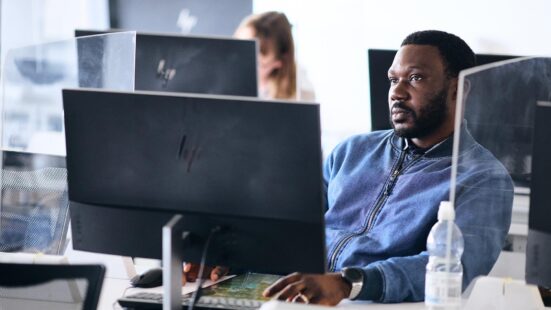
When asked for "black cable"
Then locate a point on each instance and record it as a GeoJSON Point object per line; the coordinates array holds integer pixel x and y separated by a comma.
{"type": "Point", "coordinates": [197, 294]}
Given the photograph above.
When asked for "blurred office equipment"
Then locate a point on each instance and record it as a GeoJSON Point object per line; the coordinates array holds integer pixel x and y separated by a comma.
{"type": "Point", "coordinates": [136, 159]}
{"type": "Point", "coordinates": [34, 204]}
{"type": "Point", "coordinates": [191, 64]}
{"type": "Point", "coordinates": [379, 61]}
{"type": "Point", "coordinates": [50, 286]}
{"type": "Point", "coordinates": [217, 168]}
{"type": "Point", "coordinates": [538, 251]}
{"type": "Point", "coordinates": [197, 17]}
{"type": "Point", "coordinates": [32, 118]}
{"type": "Point", "coordinates": [515, 150]}
{"type": "Point", "coordinates": [500, 99]}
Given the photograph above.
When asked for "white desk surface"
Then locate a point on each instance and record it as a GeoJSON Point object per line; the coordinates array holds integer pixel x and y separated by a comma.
{"type": "Point", "coordinates": [113, 289]}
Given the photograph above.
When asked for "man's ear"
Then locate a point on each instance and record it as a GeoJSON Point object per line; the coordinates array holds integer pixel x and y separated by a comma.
{"type": "Point", "coordinates": [454, 83]}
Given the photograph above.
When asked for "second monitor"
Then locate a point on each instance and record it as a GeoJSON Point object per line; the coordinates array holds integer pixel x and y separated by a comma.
{"type": "Point", "coordinates": [190, 64]}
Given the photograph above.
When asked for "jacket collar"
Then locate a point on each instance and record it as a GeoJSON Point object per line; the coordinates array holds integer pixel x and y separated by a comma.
{"type": "Point", "coordinates": [441, 149]}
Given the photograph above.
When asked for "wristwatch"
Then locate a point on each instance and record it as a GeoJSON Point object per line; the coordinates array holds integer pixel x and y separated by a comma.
{"type": "Point", "coordinates": [355, 277]}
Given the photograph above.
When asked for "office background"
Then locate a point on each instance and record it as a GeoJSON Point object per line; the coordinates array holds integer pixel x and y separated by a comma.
{"type": "Point", "coordinates": [332, 38]}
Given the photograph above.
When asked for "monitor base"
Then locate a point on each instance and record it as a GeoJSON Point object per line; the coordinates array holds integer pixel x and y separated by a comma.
{"type": "Point", "coordinates": [173, 235]}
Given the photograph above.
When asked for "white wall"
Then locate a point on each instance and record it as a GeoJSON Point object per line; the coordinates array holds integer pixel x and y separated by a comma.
{"type": "Point", "coordinates": [333, 36]}
{"type": "Point", "coordinates": [27, 22]}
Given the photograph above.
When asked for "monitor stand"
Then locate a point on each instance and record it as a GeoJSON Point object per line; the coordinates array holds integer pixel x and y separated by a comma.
{"type": "Point", "coordinates": [173, 234]}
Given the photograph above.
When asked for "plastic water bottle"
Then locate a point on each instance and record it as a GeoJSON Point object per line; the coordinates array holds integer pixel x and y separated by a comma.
{"type": "Point", "coordinates": [444, 271]}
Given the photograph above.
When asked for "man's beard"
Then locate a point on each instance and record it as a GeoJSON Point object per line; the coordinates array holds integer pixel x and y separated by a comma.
{"type": "Point", "coordinates": [429, 119]}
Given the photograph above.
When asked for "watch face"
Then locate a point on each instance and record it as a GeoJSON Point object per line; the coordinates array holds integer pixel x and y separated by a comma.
{"type": "Point", "coordinates": [353, 275]}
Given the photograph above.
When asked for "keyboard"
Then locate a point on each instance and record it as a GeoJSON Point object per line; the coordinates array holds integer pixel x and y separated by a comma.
{"type": "Point", "coordinates": [146, 300]}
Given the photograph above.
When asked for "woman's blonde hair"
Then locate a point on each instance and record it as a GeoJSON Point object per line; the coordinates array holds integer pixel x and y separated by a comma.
{"type": "Point", "coordinates": [273, 31]}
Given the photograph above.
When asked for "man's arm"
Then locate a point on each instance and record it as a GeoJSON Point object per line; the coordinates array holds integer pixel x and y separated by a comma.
{"type": "Point", "coordinates": [327, 289]}
{"type": "Point", "coordinates": [483, 213]}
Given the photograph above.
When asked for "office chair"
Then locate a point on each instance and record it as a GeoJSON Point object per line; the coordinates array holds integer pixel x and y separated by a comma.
{"type": "Point", "coordinates": [34, 209]}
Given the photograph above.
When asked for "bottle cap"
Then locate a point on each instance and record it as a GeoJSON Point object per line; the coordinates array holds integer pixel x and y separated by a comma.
{"type": "Point", "coordinates": [446, 211]}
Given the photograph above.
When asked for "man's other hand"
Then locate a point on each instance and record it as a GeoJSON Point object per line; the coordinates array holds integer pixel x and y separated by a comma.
{"type": "Point", "coordinates": [191, 272]}
{"type": "Point", "coordinates": [327, 289]}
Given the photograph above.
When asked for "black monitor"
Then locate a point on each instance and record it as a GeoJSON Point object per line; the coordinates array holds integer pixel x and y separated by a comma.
{"type": "Point", "coordinates": [191, 64]}
{"type": "Point", "coordinates": [538, 248]}
{"type": "Point", "coordinates": [513, 158]}
{"type": "Point", "coordinates": [379, 61]}
{"type": "Point", "coordinates": [250, 166]}
{"type": "Point", "coordinates": [197, 17]}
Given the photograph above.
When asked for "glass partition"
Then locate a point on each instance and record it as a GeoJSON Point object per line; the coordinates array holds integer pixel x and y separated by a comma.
{"type": "Point", "coordinates": [66, 294]}
{"type": "Point", "coordinates": [49, 286]}
{"type": "Point", "coordinates": [495, 108]}
{"type": "Point", "coordinates": [34, 203]}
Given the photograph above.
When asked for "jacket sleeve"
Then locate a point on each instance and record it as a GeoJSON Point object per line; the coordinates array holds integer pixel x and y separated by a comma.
{"type": "Point", "coordinates": [483, 213]}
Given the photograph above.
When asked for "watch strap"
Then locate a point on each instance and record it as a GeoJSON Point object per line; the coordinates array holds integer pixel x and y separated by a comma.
{"type": "Point", "coordinates": [355, 277]}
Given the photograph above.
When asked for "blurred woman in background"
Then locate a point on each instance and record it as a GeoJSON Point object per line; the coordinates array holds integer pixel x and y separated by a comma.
{"type": "Point", "coordinates": [277, 69]}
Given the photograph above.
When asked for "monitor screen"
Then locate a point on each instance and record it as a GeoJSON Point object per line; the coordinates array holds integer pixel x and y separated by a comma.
{"type": "Point", "coordinates": [513, 158]}
{"type": "Point", "coordinates": [250, 165]}
{"type": "Point", "coordinates": [538, 249]}
{"type": "Point", "coordinates": [190, 64]}
{"type": "Point", "coordinates": [198, 17]}
{"type": "Point", "coordinates": [379, 61]}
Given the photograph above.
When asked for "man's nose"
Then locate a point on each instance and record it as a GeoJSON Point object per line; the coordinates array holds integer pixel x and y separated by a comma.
{"type": "Point", "coordinates": [398, 92]}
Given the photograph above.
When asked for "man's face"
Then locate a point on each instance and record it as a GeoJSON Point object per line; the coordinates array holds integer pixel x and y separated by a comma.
{"type": "Point", "coordinates": [420, 97]}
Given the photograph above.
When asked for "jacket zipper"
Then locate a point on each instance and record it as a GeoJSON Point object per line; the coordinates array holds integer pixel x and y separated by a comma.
{"type": "Point", "coordinates": [378, 206]}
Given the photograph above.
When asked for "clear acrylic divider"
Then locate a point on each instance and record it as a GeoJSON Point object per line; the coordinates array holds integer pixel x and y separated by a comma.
{"type": "Point", "coordinates": [66, 294]}
{"type": "Point", "coordinates": [34, 202]}
{"type": "Point", "coordinates": [493, 148]}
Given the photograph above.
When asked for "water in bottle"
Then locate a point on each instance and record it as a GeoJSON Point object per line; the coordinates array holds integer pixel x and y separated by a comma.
{"type": "Point", "coordinates": [444, 273]}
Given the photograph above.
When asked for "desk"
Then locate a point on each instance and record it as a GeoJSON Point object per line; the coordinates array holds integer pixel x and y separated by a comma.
{"type": "Point", "coordinates": [113, 289]}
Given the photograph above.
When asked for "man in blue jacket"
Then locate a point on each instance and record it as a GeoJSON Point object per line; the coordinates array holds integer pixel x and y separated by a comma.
{"type": "Point", "coordinates": [384, 187]}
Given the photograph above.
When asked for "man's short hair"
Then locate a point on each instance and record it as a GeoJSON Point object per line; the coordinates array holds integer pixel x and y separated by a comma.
{"type": "Point", "coordinates": [457, 55]}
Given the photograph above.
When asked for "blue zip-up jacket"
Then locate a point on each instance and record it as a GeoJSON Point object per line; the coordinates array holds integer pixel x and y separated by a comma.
{"type": "Point", "coordinates": [383, 197]}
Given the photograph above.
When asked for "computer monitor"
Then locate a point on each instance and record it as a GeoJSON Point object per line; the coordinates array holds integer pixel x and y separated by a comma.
{"type": "Point", "coordinates": [197, 17]}
{"type": "Point", "coordinates": [379, 61]}
{"type": "Point", "coordinates": [513, 158]}
{"type": "Point", "coordinates": [190, 64]}
{"type": "Point", "coordinates": [250, 166]}
{"type": "Point", "coordinates": [538, 248]}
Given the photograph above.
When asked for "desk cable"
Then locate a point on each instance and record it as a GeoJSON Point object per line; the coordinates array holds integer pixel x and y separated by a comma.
{"type": "Point", "coordinates": [114, 304]}
{"type": "Point", "coordinates": [197, 294]}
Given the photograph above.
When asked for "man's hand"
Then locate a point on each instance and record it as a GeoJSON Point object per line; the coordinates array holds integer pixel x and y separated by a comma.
{"type": "Point", "coordinates": [191, 272]}
{"type": "Point", "coordinates": [327, 289]}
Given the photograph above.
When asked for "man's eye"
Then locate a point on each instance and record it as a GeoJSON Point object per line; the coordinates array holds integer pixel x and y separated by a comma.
{"type": "Point", "coordinates": [393, 80]}
{"type": "Point", "coordinates": [415, 77]}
